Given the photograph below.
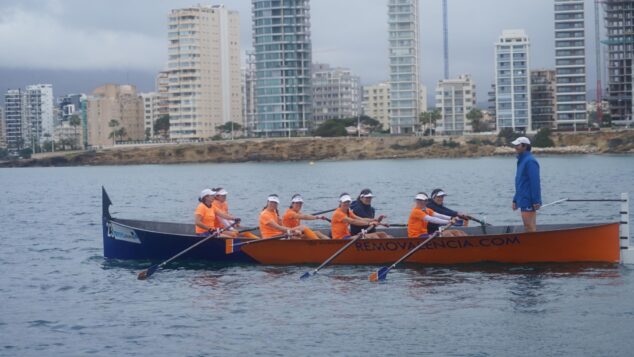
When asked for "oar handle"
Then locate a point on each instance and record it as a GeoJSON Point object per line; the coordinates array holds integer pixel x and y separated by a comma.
{"type": "Point", "coordinates": [471, 218]}
{"type": "Point", "coordinates": [322, 212]}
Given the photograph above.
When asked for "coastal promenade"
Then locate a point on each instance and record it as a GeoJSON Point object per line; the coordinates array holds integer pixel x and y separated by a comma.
{"type": "Point", "coordinates": [341, 148]}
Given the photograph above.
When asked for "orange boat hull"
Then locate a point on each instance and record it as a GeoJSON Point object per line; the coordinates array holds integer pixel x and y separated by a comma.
{"type": "Point", "coordinates": [595, 243]}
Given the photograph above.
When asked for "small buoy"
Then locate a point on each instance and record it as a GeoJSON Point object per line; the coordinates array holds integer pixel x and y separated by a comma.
{"type": "Point", "coordinates": [311, 163]}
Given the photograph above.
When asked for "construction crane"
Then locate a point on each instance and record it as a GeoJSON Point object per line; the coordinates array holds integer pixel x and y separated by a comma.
{"type": "Point", "coordinates": [597, 54]}
{"type": "Point", "coordinates": [445, 38]}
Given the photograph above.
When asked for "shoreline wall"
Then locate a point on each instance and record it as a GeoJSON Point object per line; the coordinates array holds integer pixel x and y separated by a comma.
{"type": "Point", "coordinates": [344, 148]}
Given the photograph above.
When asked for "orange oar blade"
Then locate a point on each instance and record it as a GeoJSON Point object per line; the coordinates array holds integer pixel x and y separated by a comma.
{"type": "Point", "coordinates": [374, 277]}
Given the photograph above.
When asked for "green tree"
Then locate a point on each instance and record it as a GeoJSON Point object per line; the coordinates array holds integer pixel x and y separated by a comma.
{"type": "Point", "coordinates": [4, 153]}
{"type": "Point", "coordinates": [75, 121]}
{"type": "Point", "coordinates": [475, 119]}
{"type": "Point", "coordinates": [113, 133]}
{"type": "Point", "coordinates": [542, 139]}
{"type": "Point", "coordinates": [162, 126]}
{"type": "Point", "coordinates": [428, 120]}
{"type": "Point", "coordinates": [148, 133]}
{"type": "Point", "coordinates": [121, 133]}
{"type": "Point", "coordinates": [330, 128]}
{"type": "Point", "coordinates": [506, 136]}
{"type": "Point", "coordinates": [26, 153]}
{"type": "Point", "coordinates": [229, 127]}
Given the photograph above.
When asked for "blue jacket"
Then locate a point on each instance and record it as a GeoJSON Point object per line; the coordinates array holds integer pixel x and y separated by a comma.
{"type": "Point", "coordinates": [527, 185]}
{"type": "Point", "coordinates": [363, 211]}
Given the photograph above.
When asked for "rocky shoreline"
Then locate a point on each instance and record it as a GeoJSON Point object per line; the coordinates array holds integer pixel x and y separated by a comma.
{"type": "Point", "coordinates": [344, 148]}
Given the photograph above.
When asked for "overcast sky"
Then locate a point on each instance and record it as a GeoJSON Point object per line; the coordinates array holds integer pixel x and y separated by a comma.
{"type": "Point", "coordinates": [79, 44]}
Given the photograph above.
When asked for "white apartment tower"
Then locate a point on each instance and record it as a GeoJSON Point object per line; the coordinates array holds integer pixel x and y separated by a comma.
{"type": "Point", "coordinates": [455, 98]}
{"type": "Point", "coordinates": [39, 112]}
{"type": "Point", "coordinates": [512, 81]}
{"type": "Point", "coordinates": [336, 93]}
{"type": "Point", "coordinates": [203, 70]}
{"type": "Point", "coordinates": [404, 65]}
{"type": "Point", "coordinates": [151, 105]}
{"type": "Point", "coordinates": [570, 64]}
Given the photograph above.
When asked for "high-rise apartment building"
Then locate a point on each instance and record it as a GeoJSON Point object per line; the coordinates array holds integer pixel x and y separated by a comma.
{"type": "Point", "coordinates": [570, 64]}
{"type": "Point", "coordinates": [3, 142]}
{"type": "Point", "coordinates": [151, 105]}
{"type": "Point", "coordinates": [203, 70]}
{"type": "Point", "coordinates": [376, 102]}
{"type": "Point", "coordinates": [543, 99]}
{"type": "Point", "coordinates": [512, 81]}
{"type": "Point", "coordinates": [336, 93]}
{"type": "Point", "coordinates": [39, 112]}
{"type": "Point", "coordinates": [454, 99]}
{"type": "Point", "coordinates": [162, 85]}
{"type": "Point", "coordinates": [619, 26]}
{"type": "Point", "coordinates": [17, 128]}
{"type": "Point", "coordinates": [248, 94]}
{"type": "Point", "coordinates": [283, 58]}
{"type": "Point", "coordinates": [404, 65]}
{"type": "Point", "coordinates": [116, 104]}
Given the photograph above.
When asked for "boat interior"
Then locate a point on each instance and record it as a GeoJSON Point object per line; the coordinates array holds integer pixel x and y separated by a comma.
{"type": "Point", "coordinates": [477, 230]}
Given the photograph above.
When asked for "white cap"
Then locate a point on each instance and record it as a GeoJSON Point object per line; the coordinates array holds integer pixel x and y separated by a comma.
{"type": "Point", "coordinates": [422, 197]}
{"type": "Point", "coordinates": [206, 192]}
{"type": "Point", "coordinates": [273, 198]}
{"type": "Point", "coordinates": [521, 140]}
{"type": "Point", "coordinates": [367, 195]}
{"type": "Point", "coordinates": [345, 198]}
{"type": "Point", "coordinates": [222, 192]}
{"type": "Point", "coordinates": [439, 194]}
{"type": "Point", "coordinates": [297, 198]}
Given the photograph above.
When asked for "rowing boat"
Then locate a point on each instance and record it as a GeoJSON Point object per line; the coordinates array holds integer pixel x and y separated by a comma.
{"type": "Point", "coordinates": [509, 244]}
{"type": "Point", "coordinates": [140, 240]}
{"type": "Point", "coordinates": [593, 242]}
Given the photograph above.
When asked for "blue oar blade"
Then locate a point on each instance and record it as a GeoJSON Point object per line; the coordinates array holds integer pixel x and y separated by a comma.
{"type": "Point", "coordinates": [382, 273]}
{"type": "Point", "coordinates": [305, 275]}
{"type": "Point", "coordinates": [378, 275]}
{"type": "Point", "coordinates": [147, 273]}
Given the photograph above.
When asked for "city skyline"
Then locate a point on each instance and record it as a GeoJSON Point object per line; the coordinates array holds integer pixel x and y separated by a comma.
{"type": "Point", "coordinates": [124, 48]}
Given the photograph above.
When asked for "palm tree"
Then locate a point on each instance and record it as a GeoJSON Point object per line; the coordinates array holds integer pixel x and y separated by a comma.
{"type": "Point", "coordinates": [113, 134]}
{"type": "Point", "coordinates": [75, 122]}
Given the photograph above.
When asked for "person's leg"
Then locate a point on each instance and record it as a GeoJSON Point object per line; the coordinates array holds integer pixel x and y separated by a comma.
{"type": "Point", "coordinates": [321, 235]}
{"type": "Point", "coordinates": [309, 233]}
{"type": "Point", "coordinates": [530, 220]}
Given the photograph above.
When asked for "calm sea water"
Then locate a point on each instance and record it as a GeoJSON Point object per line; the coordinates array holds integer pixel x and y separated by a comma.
{"type": "Point", "coordinates": [59, 296]}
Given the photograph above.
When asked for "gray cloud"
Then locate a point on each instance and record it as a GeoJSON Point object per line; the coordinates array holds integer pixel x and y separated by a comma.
{"type": "Point", "coordinates": [123, 35]}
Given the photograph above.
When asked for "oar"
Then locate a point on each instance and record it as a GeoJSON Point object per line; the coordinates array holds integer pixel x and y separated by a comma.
{"type": "Point", "coordinates": [151, 270]}
{"type": "Point", "coordinates": [312, 214]}
{"type": "Point", "coordinates": [381, 274]}
{"type": "Point", "coordinates": [341, 250]}
{"type": "Point", "coordinates": [229, 246]}
{"type": "Point", "coordinates": [554, 203]}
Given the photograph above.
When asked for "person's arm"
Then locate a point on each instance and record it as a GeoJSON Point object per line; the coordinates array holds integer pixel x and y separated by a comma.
{"type": "Point", "coordinates": [437, 220]}
{"type": "Point", "coordinates": [360, 222]}
{"type": "Point", "coordinates": [223, 214]}
{"type": "Point", "coordinates": [533, 176]}
{"type": "Point", "coordinates": [199, 222]}
{"type": "Point", "coordinates": [279, 227]}
{"type": "Point", "coordinates": [308, 217]}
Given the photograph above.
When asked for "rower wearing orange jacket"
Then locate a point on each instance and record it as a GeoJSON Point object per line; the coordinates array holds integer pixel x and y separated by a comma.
{"type": "Point", "coordinates": [270, 223]}
{"type": "Point", "coordinates": [205, 216]}
{"type": "Point", "coordinates": [421, 216]}
{"type": "Point", "coordinates": [293, 216]}
{"type": "Point", "coordinates": [223, 218]}
{"type": "Point", "coordinates": [344, 217]}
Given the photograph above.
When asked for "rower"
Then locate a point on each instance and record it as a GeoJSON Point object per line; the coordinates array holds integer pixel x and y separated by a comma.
{"type": "Point", "coordinates": [205, 216]}
{"type": "Point", "coordinates": [362, 207]}
{"type": "Point", "coordinates": [270, 223]}
{"type": "Point", "coordinates": [437, 205]}
{"type": "Point", "coordinates": [421, 216]}
{"type": "Point", "coordinates": [223, 218]}
{"type": "Point", "coordinates": [343, 217]}
{"type": "Point", "coordinates": [293, 216]}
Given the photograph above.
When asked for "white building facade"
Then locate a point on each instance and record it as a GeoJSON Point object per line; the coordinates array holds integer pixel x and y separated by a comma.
{"type": "Point", "coordinates": [151, 105]}
{"type": "Point", "coordinates": [39, 112]}
{"type": "Point", "coordinates": [403, 30]}
{"type": "Point", "coordinates": [512, 81]}
{"type": "Point", "coordinates": [336, 93]}
{"type": "Point", "coordinates": [570, 64]}
{"type": "Point", "coordinates": [203, 71]}
{"type": "Point", "coordinates": [454, 99]}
